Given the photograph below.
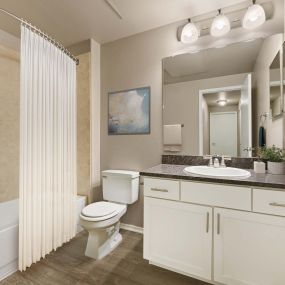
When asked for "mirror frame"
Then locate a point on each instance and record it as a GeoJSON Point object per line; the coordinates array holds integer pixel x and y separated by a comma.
{"type": "Point", "coordinates": [280, 57]}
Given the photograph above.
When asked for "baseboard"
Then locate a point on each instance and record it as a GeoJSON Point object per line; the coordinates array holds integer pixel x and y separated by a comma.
{"type": "Point", "coordinates": [131, 228]}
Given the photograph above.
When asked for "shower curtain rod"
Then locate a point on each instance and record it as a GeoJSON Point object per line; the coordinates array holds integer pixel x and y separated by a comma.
{"type": "Point", "coordinates": [41, 33]}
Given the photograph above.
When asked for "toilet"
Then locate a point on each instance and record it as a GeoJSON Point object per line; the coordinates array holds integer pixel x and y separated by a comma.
{"type": "Point", "coordinates": [102, 219]}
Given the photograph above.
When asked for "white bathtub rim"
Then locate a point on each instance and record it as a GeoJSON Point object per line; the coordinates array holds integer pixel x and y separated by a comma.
{"type": "Point", "coordinates": [13, 222]}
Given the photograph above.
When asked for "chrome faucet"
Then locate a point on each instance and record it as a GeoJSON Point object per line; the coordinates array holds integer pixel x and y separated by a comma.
{"type": "Point", "coordinates": [215, 161]}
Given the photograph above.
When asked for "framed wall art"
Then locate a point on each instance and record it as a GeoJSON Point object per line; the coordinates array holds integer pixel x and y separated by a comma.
{"type": "Point", "coordinates": [129, 112]}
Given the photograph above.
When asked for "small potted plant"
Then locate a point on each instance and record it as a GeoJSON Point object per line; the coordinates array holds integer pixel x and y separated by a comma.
{"type": "Point", "coordinates": [275, 159]}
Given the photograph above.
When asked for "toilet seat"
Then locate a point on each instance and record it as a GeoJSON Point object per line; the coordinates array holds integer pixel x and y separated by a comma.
{"type": "Point", "coordinates": [102, 210]}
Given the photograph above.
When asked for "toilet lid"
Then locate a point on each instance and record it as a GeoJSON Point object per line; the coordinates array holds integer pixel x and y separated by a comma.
{"type": "Point", "coordinates": [100, 209]}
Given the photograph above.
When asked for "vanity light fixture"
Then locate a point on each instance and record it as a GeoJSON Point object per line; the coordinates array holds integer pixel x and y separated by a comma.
{"type": "Point", "coordinates": [220, 26]}
{"type": "Point", "coordinates": [254, 16]}
{"type": "Point", "coordinates": [189, 33]}
{"type": "Point", "coordinates": [222, 102]}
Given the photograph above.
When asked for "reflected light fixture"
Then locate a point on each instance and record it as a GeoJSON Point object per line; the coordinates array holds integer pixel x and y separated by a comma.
{"type": "Point", "coordinates": [189, 33]}
{"type": "Point", "coordinates": [220, 26]}
{"type": "Point", "coordinates": [254, 16]}
{"type": "Point", "coordinates": [222, 102]}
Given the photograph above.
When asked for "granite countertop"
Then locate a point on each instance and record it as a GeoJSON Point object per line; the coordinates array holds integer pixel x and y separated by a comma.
{"type": "Point", "coordinates": [177, 172]}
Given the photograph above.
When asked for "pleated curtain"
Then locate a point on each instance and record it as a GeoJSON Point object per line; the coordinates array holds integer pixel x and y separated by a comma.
{"type": "Point", "coordinates": [47, 148]}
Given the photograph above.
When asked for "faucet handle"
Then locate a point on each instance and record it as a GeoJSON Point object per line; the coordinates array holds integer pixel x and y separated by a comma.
{"type": "Point", "coordinates": [210, 157]}
{"type": "Point", "coordinates": [224, 158]}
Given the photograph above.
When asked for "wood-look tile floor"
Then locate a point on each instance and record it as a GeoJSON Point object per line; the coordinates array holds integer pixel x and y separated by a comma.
{"type": "Point", "coordinates": [124, 266]}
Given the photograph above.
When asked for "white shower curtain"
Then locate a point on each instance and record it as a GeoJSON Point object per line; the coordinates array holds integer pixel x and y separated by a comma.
{"type": "Point", "coordinates": [47, 148]}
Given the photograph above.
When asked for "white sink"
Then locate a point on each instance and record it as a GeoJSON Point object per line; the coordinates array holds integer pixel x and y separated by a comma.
{"type": "Point", "coordinates": [218, 172]}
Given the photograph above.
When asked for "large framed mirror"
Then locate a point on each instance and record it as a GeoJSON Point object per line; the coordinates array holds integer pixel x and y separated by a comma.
{"type": "Point", "coordinates": [219, 97]}
{"type": "Point", "coordinates": [283, 76]}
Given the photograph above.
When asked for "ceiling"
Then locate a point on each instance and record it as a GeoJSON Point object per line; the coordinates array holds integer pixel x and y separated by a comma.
{"type": "Point", "coordinates": [72, 21]}
{"type": "Point", "coordinates": [233, 59]}
{"type": "Point", "coordinates": [232, 98]}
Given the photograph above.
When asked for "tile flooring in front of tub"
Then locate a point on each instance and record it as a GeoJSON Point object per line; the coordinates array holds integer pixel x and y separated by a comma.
{"type": "Point", "coordinates": [124, 266]}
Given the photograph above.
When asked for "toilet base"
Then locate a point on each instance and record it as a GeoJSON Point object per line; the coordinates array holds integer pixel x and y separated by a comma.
{"type": "Point", "coordinates": [102, 241]}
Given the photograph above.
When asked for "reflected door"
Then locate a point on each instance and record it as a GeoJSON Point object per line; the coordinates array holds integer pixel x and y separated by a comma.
{"type": "Point", "coordinates": [223, 133]}
{"type": "Point", "coordinates": [245, 118]}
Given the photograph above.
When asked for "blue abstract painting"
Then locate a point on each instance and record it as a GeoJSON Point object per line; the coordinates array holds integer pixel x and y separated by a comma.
{"type": "Point", "coordinates": [129, 112]}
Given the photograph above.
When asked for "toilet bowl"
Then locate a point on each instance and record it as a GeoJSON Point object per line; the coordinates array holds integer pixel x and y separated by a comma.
{"type": "Point", "coordinates": [102, 219]}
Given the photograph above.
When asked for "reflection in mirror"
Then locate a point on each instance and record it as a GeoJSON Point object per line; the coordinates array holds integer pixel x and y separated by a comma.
{"type": "Point", "coordinates": [226, 113]}
{"type": "Point", "coordinates": [275, 86]}
{"type": "Point", "coordinates": [283, 73]}
{"type": "Point", "coordinates": [210, 93]}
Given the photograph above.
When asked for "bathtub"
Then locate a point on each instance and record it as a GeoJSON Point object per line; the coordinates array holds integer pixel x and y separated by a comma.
{"type": "Point", "coordinates": [9, 228]}
{"type": "Point", "coordinates": [9, 234]}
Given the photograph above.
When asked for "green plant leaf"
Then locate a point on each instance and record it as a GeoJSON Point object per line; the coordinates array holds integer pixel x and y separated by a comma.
{"type": "Point", "coordinates": [273, 154]}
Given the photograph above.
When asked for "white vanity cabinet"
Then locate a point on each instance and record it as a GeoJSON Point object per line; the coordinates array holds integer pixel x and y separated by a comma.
{"type": "Point", "coordinates": [249, 248]}
{"type": "Point", "coordinates": [216, 237]}
{"type": "Point", "coordinates": [178, 235]}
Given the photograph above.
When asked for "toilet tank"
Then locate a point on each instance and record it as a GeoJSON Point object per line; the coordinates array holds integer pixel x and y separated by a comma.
{"type": "Point", "coordinates": [121, 186]}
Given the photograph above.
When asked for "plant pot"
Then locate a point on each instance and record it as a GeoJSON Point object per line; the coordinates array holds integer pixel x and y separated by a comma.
{"type": "Point", "coordinates": [276, 167]}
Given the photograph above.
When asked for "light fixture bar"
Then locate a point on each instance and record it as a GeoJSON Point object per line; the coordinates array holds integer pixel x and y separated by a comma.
{"type": "Point", "coordinates": [235, 14]}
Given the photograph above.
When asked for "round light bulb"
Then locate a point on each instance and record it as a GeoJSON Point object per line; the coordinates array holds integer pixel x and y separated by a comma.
{"type": "Point", "coordinates": [254, 17]}
{"type": "Point", "coordinates": [220, 26]}
{"type": "Point", "coordinates": [189, 33]}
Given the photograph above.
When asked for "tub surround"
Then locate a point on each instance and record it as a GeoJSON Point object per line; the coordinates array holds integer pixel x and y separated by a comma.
{"type": "Point", "coordinates": [174, 171]}
{"type": "Point", "coordinates": [9, 123]}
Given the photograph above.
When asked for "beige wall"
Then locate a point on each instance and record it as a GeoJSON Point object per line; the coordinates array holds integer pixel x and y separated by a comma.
{"type": "Point", "coordinates": [83, 125]}
{"type": "Point", "coordinates": [218, 109]}
{"type": "Point", "coordinates": [9, 123]}
{"type": "Point", "coordinates": [261, 98]}
{"type": "Point", "coordinates": [128, 63]}
{"type": "Point", "coordinates": [181, 105]}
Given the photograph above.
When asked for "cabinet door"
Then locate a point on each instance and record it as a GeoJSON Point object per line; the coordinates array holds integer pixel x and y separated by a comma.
{"type": "Point", "coordinates": [178, 236]}
{"type": "Point", "coordinates": [249, 248]}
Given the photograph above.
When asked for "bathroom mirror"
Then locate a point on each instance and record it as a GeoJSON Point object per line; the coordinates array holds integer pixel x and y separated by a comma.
{"type": "Point", "coordinates": [276, 98]}
{"type": "Point", "coordinates": [283, 76]}
{"type": "Point", "coordinates": [218, 95]}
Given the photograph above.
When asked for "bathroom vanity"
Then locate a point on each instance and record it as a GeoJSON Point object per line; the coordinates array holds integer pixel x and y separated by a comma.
{"type": "Point", "coordinates": [222, 231]}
